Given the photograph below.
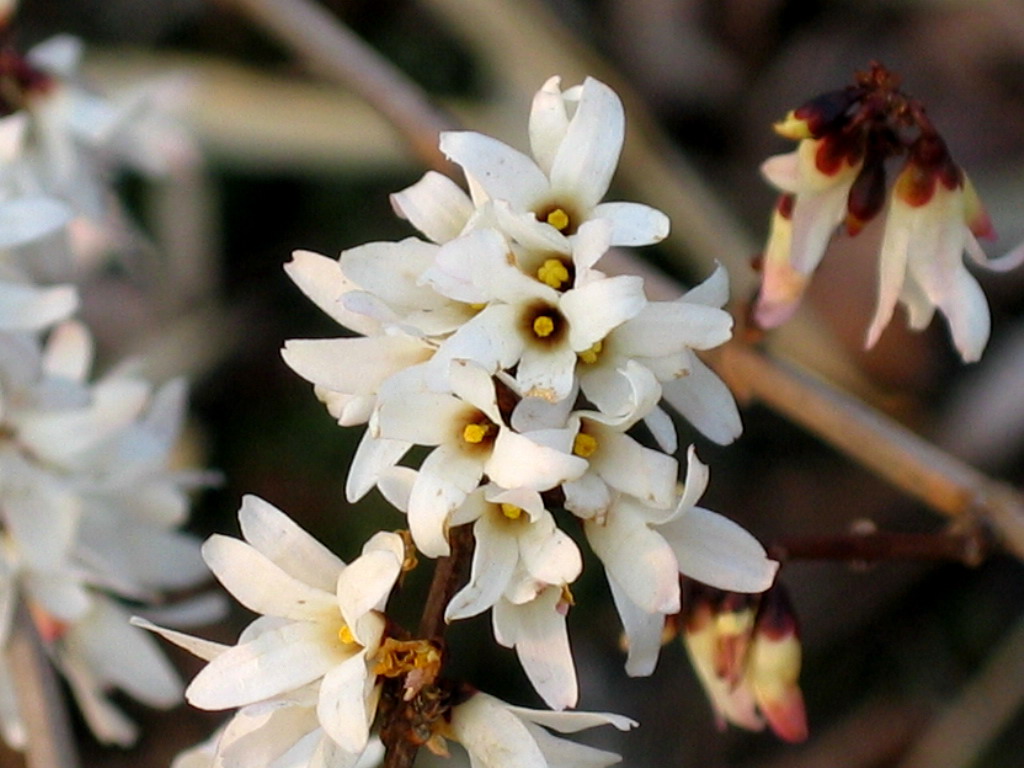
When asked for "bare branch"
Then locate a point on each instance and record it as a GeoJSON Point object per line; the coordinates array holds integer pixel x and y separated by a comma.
{"type": "Point", "coordinates": [48, 730]}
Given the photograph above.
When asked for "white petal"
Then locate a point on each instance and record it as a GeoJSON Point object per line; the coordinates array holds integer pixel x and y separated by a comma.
{"type": "Point", "coordinates": [25, 219]}
{"type": "Point", "coordinates": [892, 268]}
{"type": "Point", "coordinates": [494, 560]}
{"type": "Point", "coordinates": [596, 308]}
{"type": "Point", "coordinates": [519, 462]}
{"type": "Point", "coordinates": [493, 736]}
{"type": "Point", "coordinates": [28, 308]}
{"type": "Point", "coordinates": [713, 549]}
{"type": "Point", "coordinates": [588, 155]}
{"type": "Point", "coordinates": [261, 585]}
{"type": "Point", "coordinates": [503, 172]}
{"type": "Point", "coordinates": [69, 351]}
{"type": "Point", "coordinates": [633, 224]}
{"type": "Point", "coordinates": [548, 554]}
{"type": "Point", "coordinates": [542, 645]}
{"type": "Point", "coordinates": [354, 366]}
{"type": "Point", "coordinates": [322, 280]}
{"type": "Point", "coordinates": [548, 123]}
{"type": "Point", "coordinates": [391, 272]}
{"type": "Point", "coordinates": [275, 662]}
{"type": "Point", "coordinates": [366, 583]}
{"type": "Point", "coordinates": [342, 706]}
{"type": "Point", "coordinates": [573, 722]}
{"type": "Point", "coordinates": [546, 372]}
{"type": "Point", "coordinates": [588, 496]}
{"type": "Point", "coordinates": [704, 400]}
{"type": "Point", "coordinates": [278, 537]}
{"type": "Point", "coordinates": [643, 632]}
{"type": "Point", "coordinates": [662, 429]}
{"type": "Point", "coordinates": [435, 205]}
{"type": "Point", "coordinates": [639, 559]}
{"type": "Point", "coordinates": [631, 468]}
{"type": "Point", "coordinates": [372, 457]}
{"type": "Point", "coordinates": [713, 292]}
{"type": "Point", "coordinates": [197, 646]}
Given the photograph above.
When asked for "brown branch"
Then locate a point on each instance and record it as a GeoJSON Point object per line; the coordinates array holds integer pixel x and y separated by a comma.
{"type": "Point", "coordinates": [333, 51]}
{"type": "Point", "coordinates": [877, 442]}
{"type": "Point", "coordinates": [449, 575]}
{"type": "Point", "coordinates": [50, 743]}
{"type": "Point", "coordinates": [966, 548]}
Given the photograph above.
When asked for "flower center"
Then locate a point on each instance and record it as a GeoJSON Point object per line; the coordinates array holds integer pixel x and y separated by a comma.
{"type": "Point", "coordinates": [543, 326]}
{"type": "Point", "coordinates": [345, 635]}
{"type": "Point", "coordinates": [554, 273]}
{"type": "Point", "coordinates": [584, 445]}
{"type": "Point", "coordinates": [477, 432]}
{"type": "Point", "coordinates": [592, 353]}
{"type": "Point", "coordinates": [558, 219]}
{"type": "Point", "coordinates": [511, 511]}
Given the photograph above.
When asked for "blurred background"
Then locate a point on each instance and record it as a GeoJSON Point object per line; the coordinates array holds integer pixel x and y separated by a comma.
{"type": "Point", "coordinates": [287, 160]}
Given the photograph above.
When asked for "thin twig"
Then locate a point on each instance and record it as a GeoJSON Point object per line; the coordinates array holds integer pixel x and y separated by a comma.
{"type": "Point", "coordinates": [50, 743]}
{"type": "Point", "coordinates": [966, 548]}
{"type": "Point", "coordinates": [877, 442]}
{"type": "Point", "coordinates": [333, 51]}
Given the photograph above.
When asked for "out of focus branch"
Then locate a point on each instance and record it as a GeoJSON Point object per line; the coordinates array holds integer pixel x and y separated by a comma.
{"type": "Point", "coordinates": [49, 740]}
{"type": "Point", "coordinates": [332, 50]}
{"type": "Point", "coordinates": [876, 441]}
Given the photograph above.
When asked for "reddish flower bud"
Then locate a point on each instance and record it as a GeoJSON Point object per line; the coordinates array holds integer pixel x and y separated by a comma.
{"type": "Point", "coordinates": [774, 666]}
{"type": "Point", "coordinates": [819, 116]}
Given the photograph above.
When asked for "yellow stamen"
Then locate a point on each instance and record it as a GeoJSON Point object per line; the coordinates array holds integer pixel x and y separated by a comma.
{"type": "Point", "coordinates": [478, 305]}
{"type": "Point", "coordinates": [511, 511]}
{"type": "Point", "coordinates": [345, 635]}
{"type": "Point", "coordinates": [558, 219]}
{"type": "Point", "coordinates": [543, 326]}
{"type": "Point", "coordinates": [584, 445]}
{"type": "Point", "coordinates": [475, 433]}
{"type": "Point", "coordinates": [590, 355]}
{"type": "Point", "coordinates": [553, 272]}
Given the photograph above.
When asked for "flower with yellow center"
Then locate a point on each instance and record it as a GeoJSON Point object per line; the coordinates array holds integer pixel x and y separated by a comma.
{"type": "Point", "coordinates": [521, 564]}
{"type": "Point", "coordinates": [320, 622]}
{"type": "Point", "coordinates": [471, 439]}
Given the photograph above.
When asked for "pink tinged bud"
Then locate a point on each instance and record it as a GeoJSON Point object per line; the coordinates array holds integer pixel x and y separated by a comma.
{"type": "Point", "coordinates": [734, 629]}
{"type": "Point", "coordinates": [774, 667]}
{"type": "Point", "coordinates": [975, 215]}
{"type": "Point", "coordinates": [782, 286]}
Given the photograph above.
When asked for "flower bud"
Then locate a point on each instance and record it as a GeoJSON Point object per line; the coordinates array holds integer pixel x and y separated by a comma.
{"type": "Point", "coordinates": [774, 666]}
{"type": "Point", "coordinates": [819, 116]}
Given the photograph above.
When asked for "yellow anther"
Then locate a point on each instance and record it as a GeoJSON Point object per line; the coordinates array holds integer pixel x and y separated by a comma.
{"type": "Point", "coordinates": [590, 355]}
{"type": "Point", "coordinates": [584, 445]}
{"type": "Point", "coordinates": [553, 272]}
{"type": "Point", "coordinates": [477, 305]}
{"type": "Point", "coordinates": [345, 635]}
{"type": "Point", "coordinates": [511, 511]}
{"type": "Point", "coordinates": [558, 219]}
{"type": "Point", "coordinates": [543, 326]}
{"type": "Point", "coordinates": [475, 433]}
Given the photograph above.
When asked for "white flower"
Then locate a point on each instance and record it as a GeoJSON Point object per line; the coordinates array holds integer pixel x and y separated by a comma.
{"type": "Point", "coordinates": [644, 550]}
{"type": "Point", "coordinates": [320, 623]}
{"type": "Point", "coordinates": [661, 338]}
{"type": "Point", "coordinates": [544, 200]}
{"type": "Point", "coordinates": [617, 463]}
{"type": "Point", "coordinates": [534, 318]}
{"type": "Point", "coordinates": [472, 439]}
{"type": "Point", "coordinates": [933, 218]}
{"type": "Point", "coordinates": [819, 175]}
{"type": "Point", "coordinates": [499, 735]}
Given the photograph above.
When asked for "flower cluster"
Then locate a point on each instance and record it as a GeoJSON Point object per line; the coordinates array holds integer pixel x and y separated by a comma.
{"type": "Point", "coordinates": [497, 343]}
{"type": "Point", "coordinates": [90, 504]}
{"type": "Point", "coordinates": [838, 176]}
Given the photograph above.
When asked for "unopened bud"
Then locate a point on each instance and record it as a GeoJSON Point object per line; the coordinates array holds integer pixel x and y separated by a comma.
{"type": "Point", "coordinates": [773, 671]}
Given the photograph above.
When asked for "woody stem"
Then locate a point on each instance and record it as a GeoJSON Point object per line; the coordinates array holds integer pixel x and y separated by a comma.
{"type": "Point", "coordinates": [966, 548]}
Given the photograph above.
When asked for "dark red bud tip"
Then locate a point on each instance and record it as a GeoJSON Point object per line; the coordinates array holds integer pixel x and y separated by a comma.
{"type": "Point", "coordinates": [827, 111]}
{"type": "Point", "coordinates": [776, 618]}
{"type": "Point", "coordinates": [867, 196]}
{"type": "Point", "coordinates": [785, 206]}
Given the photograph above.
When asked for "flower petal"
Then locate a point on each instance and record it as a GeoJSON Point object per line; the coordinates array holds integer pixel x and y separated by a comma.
{"type": "Point", "coordinates": [435, 205]}
{"type": "Point", "coordinates": [503, 172]}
